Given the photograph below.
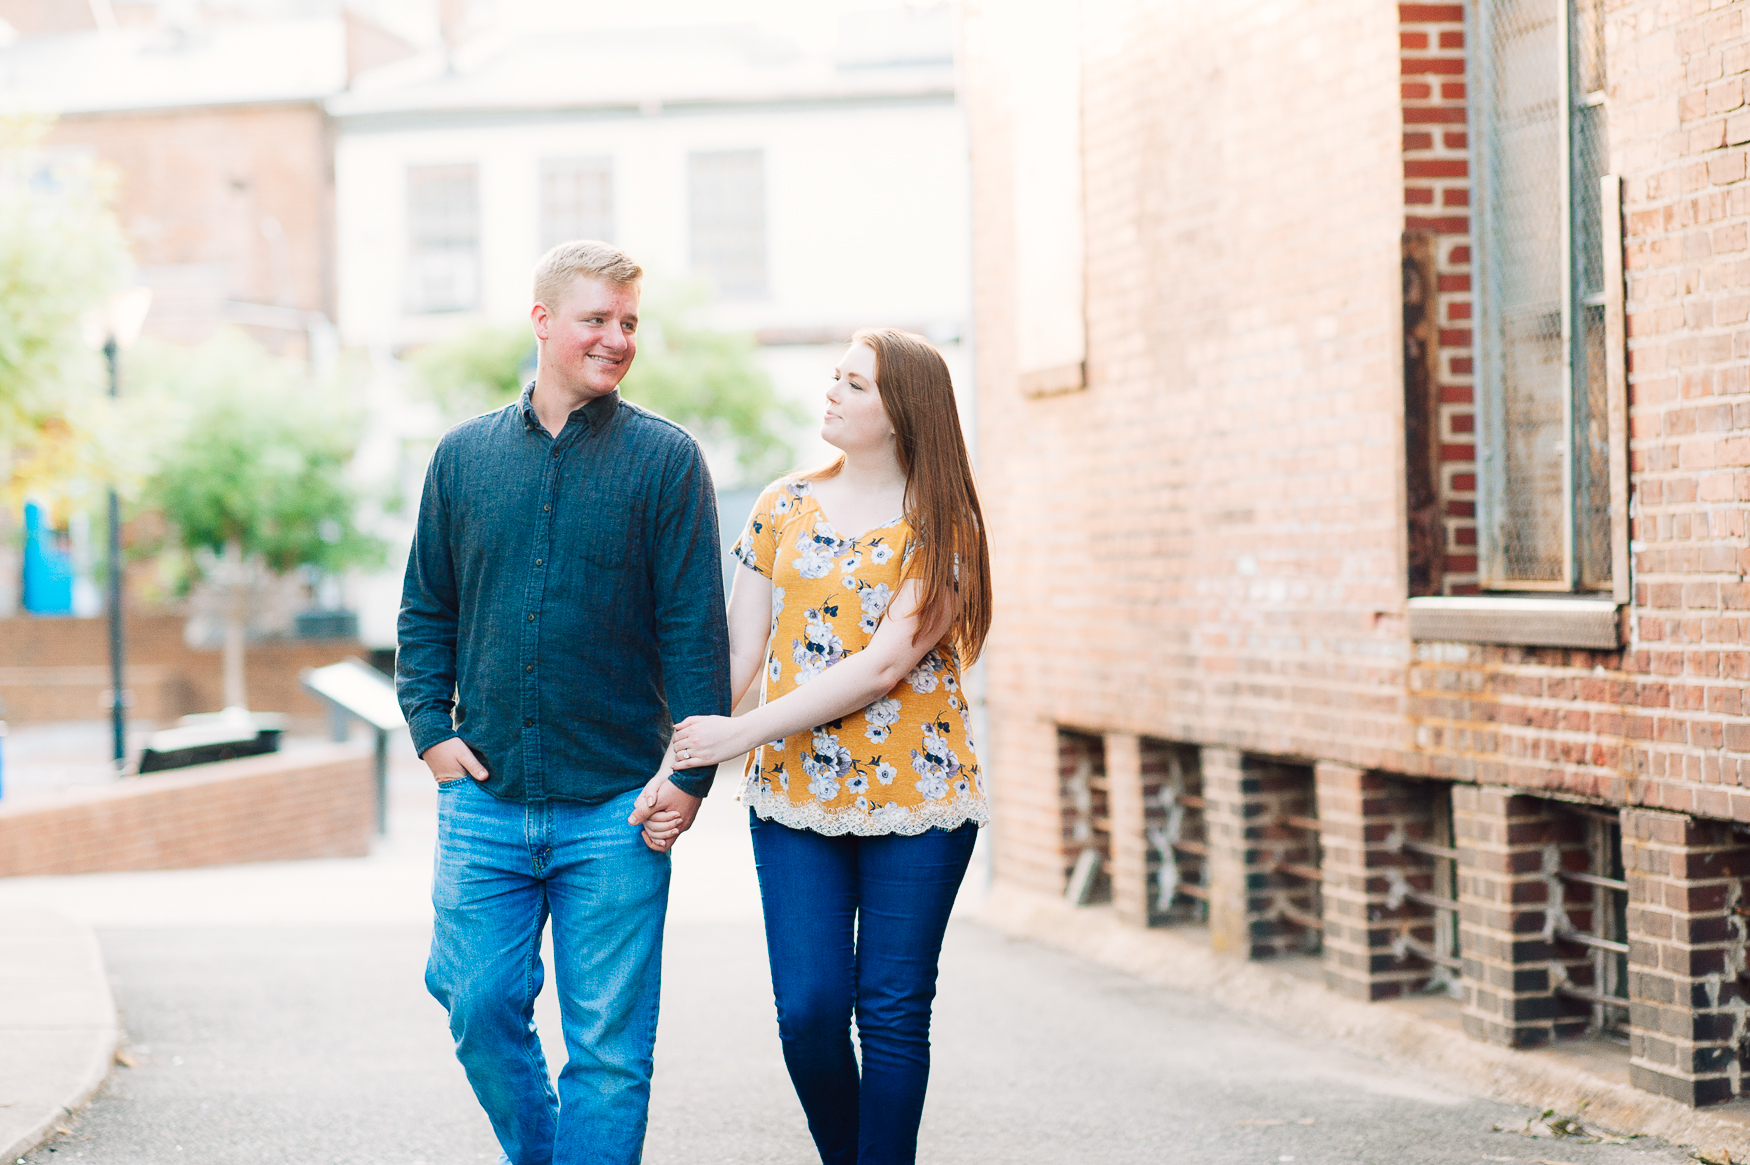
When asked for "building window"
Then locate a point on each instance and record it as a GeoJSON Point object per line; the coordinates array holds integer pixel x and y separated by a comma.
{"type": "Point", "coordinates": [443, 243]}
{"type": "Point", "coordinates": [1546, 431]}
{"type": "Point", "coordinates": [577, 200]}
{"type": "Point", "coordinates": [727, 190]}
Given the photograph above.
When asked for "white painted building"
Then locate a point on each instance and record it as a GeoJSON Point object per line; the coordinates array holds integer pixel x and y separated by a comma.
{"type": "Point", "coordinates": [813, 184]}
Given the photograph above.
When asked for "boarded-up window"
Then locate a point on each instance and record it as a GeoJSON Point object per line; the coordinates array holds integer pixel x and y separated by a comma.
{"type": "Point", "coordinates": [577, 200]}
{"type": "Point", "coordinates": [1545, 447]}
{"type": "Point", "coordinates": [443, 245]}
{"type": "Point", "coordinates": [1045, 86]}
{"type": "Point", "coordinates": [727, 194]}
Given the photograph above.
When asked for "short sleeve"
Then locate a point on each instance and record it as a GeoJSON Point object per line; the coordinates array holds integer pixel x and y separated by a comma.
{"type": "Point", "coordinates": [757, 548]}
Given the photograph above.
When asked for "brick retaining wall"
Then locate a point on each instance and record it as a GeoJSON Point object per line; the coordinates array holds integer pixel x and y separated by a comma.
{"type": "Point", "coordinates": [309, 803]}
{"type": "Point", "coordinates": [57, 668]}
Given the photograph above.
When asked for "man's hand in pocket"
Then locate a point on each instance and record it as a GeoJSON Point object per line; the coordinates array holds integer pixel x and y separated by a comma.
{"type": "Point", "coordinates": [451, 760]}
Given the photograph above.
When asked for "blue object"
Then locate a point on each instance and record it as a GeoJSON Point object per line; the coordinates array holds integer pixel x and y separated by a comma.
{"type": "Point", "coordinates": [48, 569]}
{"type": "Point", "coordinates": [854, 925]}
{"type": "Point", "coordinates": [502, 866]}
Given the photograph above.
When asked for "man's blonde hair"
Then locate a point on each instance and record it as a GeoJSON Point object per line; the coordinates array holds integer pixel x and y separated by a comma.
{"type": "Point", "coordinates": [591, 257]}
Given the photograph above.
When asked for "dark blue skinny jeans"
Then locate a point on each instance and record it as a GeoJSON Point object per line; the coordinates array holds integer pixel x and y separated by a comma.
{"type": "Point", "coordinates": [855, 925]}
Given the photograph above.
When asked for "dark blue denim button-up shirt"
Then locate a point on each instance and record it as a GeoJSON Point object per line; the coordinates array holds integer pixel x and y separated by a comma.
{"type": "Point", "coordinates": [564, 600]}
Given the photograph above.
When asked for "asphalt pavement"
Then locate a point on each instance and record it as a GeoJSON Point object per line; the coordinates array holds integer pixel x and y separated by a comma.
{"type": "Point", "coordinates": [276, 1013]}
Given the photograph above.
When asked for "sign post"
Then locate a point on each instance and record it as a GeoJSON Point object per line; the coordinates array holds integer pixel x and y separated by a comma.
{"type": "Point", "coordinates": [355, 690]}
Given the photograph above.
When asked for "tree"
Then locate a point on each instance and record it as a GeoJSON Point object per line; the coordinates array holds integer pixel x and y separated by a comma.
{"type": "Point", "coordinates": [61, 256]}
{"type": "Point", "coordinates": [706, 380]}
{"type": "Point", "coordinates": [254, 474]}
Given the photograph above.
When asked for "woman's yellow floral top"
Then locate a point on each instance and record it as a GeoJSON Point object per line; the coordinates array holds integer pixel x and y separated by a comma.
{"type": "Point", "coordinates": [904, 764]}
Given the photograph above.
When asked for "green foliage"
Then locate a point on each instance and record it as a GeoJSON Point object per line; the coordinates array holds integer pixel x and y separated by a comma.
{"type": "Point", "coordinates": [258, 456]}
{"type": "Point", "coordinates": [707, 380]}
{"type": "Point", "coordinates": [710, 382]}
{"type": "Point", "coordinates": [61, 257]}
{"type": "Point", "coordinates": [478, 370]}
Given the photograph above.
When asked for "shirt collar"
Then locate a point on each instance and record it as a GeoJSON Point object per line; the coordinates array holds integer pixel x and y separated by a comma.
{"type": "Point", "coordinates": [595, 413]}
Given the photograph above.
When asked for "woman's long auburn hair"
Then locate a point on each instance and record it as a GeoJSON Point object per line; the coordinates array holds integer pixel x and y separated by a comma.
{"type": "Point", "coordinates": [952, 561]}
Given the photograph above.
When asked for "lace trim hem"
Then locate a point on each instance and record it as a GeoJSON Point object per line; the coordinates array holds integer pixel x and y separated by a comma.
{"type": "Point", "coordinates": [816, 818]}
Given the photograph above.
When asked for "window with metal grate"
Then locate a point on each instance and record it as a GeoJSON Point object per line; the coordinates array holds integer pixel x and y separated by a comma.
{"type": "Point", "coordinates": [1178, 844]}
{"type": "Point", "coordinates": [1551, 433]}
{"type": "Point", "coordinates": [1086, 814]}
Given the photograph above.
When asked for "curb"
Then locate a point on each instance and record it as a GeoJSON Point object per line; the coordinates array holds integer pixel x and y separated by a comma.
{"type": "Point", "coordinates": [58, 1027]}
{"type": "Point", "coordinates": [1396, 1034]}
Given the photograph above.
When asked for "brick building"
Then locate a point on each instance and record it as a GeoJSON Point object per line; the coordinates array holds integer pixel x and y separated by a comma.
{"type": "Point", "coordinates": [212, 125]}
{"type": "Point", "coordinates": [1363, 396]}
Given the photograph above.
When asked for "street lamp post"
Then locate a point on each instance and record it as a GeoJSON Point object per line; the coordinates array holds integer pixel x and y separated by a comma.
{"type": "Point", "coordinates": [118, 324]}
{"type": "Point", "coordinates": [118, 712]}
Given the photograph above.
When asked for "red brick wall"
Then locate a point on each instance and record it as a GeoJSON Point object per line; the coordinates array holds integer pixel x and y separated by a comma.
{"type": "Point", "coordinates": [1206, 545]}
{"type": "Point", "coordinates": [58, 669]}
{"type": "Point", "coordinates": [1437, 201]}
{"type": "Point", "coordinates": [311, 803]}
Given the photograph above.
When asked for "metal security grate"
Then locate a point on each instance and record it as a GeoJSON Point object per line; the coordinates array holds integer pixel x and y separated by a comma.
{"type": "Point", "coordinates": [1176, 831]}
{"type": "Point", "coordinates": [1592, 912]}
{"type": "Point", "coordinates": [1086, 816]}
{"type": "Point", "coordinates": [1544, 451]}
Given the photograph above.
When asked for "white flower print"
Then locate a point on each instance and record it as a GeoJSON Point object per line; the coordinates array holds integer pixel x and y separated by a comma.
{"type": "Point", "coordinates": [953, 702]}
{"type": "Point", "coordinates": [921, 679]}
{"type": "Point", "coordinates": [881, 716]}
{"type": "Point", "coordinates": [867, 624]}
{"type": "Point", "coordinates": [850, 564]}
{"type": "Point", "coordinates": [936, 765]}
{"type": "Point", "coordinates": [777, 608]}
{"type": "Point", "coordinates": [880, 553]}
{"type": "Point", "coordinates": [819, 651]}
{"type": "Point", "coordinates": [874, 599]}
{"type": "Point", "coordinates": [949, 682]}
{"type": "Point", "coordinates": [885, 772]}
{"type": "Point", "coordinates": [857, 784]}
{"type": "Point", "coordinates": [826, 761]}
{"type": "Point", "coordinates": [800, 489]}
{"type": "Point", "coordinates": [774, 669]}
{"type": "Point", "coordinates": [811, 562]}
{"type": "Point", "coordinates": [781, 505]}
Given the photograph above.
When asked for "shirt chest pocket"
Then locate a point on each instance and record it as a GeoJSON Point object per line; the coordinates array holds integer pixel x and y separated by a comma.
{"type": "Point", "coordinates": [612, 532]}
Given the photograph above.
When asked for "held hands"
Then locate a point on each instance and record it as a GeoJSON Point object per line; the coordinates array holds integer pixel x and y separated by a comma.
{"type": "Point", "coordinates": [664, 810]}
{"type": "Point", "coordinates": [451, 760]}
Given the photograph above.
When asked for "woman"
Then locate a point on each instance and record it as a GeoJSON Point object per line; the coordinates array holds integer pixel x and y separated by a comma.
{"type": "Point", "coordinates": [863, 589]}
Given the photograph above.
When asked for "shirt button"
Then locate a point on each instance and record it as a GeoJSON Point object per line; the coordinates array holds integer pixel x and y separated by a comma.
{"type": "Point", "coordinates": [545, 509]}
{"type": "Point", "coordinates": [555, 452]}
{"type": "Point", "coordinates": [528, 723]}
{"type": "Point", "coordinates": [531, 616]}
{"type": "Point", "coordinates": [540, 562]}
{"type": "Point", "coordinates": [528, 667]}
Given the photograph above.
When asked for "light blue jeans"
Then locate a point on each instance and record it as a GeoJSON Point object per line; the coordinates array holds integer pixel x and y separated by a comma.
{"type": "Point", "coordinates": [502, 868]}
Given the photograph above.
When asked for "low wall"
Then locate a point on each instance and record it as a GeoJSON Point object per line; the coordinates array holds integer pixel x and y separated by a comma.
{"type": "Point", "coordinates": [57, 668]}
{"type": "Point", "coordinates": [308, 803]}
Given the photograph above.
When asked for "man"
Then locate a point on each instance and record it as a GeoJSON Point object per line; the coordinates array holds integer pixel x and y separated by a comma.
{"type": "Point", "coordinates": [564, 593]}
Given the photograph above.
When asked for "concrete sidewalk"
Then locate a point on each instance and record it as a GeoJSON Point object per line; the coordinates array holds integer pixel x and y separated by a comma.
{"type": "Point", "coordinates": [58, 1027]}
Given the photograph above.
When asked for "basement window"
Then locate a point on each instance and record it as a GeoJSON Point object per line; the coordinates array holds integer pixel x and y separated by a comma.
{"type": "Point", "coordinates": [1178, 846]}
{"type": "Point", "coordinates": [1087, 820]}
